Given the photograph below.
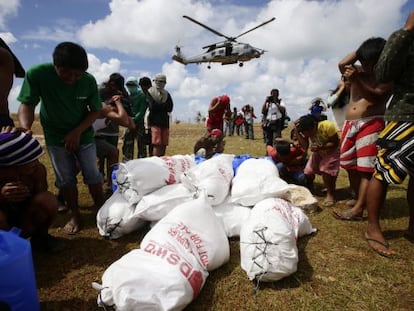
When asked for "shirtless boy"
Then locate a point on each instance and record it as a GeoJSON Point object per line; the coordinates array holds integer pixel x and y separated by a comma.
{"type": "Point", "coordinates": [9, 66]}
{"type": "Point", "coordinates": [364, 120]}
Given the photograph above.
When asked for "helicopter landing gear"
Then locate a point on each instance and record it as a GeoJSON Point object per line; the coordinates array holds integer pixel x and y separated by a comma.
{"type": "Point", "coordinates": [240, 64]}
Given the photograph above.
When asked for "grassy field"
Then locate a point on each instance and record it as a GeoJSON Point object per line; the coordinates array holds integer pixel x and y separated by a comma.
{"type": "Point", "coordinates": [336, 271]}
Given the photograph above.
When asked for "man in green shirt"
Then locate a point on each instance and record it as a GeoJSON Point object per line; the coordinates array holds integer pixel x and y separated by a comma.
{"type": "Point", "coordinates": [395, 158]}
{"type": "Point", "coordinates": [70, 103]}
{"type": "Point", "coordinates": [139, 107]}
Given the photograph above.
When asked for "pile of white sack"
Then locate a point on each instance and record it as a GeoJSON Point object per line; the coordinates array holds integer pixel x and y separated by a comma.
{"type": "Point", "coordinates": [193, 209]}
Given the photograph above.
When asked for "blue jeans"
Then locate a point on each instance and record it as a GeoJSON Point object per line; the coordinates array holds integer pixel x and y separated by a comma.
{"type": "Point", "coordinates": [295, 177]}
{"type": "Point", "coordinates": [65, 165]}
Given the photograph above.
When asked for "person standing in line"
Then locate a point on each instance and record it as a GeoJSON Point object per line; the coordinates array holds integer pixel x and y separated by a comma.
{"type": "Point", "coordinates": [145, 84]}
{"type": "Point", "coordinates": [219, 105]}
{"type": "Point", "coordinates": [248, 116]}
{"type": "Point", "coordinates": [274, 112]}
{"type": "Point", "coordinates": [70, 103]}
{"type": "Point", "coordinates": [394, 160]}
{"type": "Point", "coordinates": [160, 106]}
{"type": "Point", "coordinates": [227, 118]}
{"type": "Point", "coordinates": [364, 121]}
{"type": "Point", "coordinates": [9, 66]}
{"type": "Point", "coordinates": [138, 107]}
{"type": "Point", "coordinates": [233, 121]}
{"type": "Point", "coordinates": [239, 123]}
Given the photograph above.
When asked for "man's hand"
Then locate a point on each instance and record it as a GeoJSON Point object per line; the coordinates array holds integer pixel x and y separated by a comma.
{"type": "Point", "coordinates": [15, 191]}
{"type": "Point", "coordinates": [72, 140]}
{"type": "Point", "coordinates": [350, 72]}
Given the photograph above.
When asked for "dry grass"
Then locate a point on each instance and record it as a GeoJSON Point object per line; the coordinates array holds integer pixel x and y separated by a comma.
{"type": "Point", "coordinates": [337, 271]}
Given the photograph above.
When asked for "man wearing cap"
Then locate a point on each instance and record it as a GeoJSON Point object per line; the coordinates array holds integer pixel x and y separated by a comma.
{"type": "Point", "coordinates": [139, 107]}
{"type": "Point", "coordinates": [218, 107]}
{"type": "Point", "coordinates": [160, 106]}
{"type": "Point", "coordinates": [9, 66]}
{"type": "Point", "coordinates": [211, 143]}
{"type": "Point", "coordinates": [25, 201]}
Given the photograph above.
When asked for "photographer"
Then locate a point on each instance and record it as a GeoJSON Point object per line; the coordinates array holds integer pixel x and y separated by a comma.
{"type": "Point", "coordinates": [274, 113]}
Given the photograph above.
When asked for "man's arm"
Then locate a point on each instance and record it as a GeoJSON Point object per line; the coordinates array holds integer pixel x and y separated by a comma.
{"type": "Point", "coordinates": [6, 79]}
{"type": "Point", "coordinates": [379, 89]}
{"type": "Point", "coordinates": [26, 115]}
{"type": "Point", "coordinates": [348, 60]}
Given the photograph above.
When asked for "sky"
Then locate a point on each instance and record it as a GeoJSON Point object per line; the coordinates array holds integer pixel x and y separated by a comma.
{"type": "Point", "coordinates": [138, 37]}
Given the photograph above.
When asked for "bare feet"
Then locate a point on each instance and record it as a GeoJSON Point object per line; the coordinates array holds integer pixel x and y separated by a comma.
{"type": "Point", "coordinates": [379, 245]}
{"type": "Point", "coordinates": [73, 225]}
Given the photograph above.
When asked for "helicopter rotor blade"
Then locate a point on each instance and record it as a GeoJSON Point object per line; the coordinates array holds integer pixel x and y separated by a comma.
{"type": "Point", "coordinates": [262, 24]}
{"type": "Point", "coordinates": [206, 27]}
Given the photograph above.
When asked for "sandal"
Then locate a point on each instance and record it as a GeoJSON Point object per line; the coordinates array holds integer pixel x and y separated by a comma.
{"type": "Point", "coordinates": [328, 203]}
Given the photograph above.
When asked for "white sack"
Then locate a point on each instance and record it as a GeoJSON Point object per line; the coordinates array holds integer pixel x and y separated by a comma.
{"type": "Point", "coordinates": [213, 176]}
{"type": "Point", "coordinates": [155, 205]}
{"type": "Point", "coordinates": [256, 180]}
{"type": "Point", "coordinates": [194, 231]}
{"type": "Point", "coordinates": [268, 250]}
{"type": "Point", "coordinates": [233, 216]}
{"type": "Point", "coordinates": [154, 278]}
{"type": "Point", "coordinates": [114, 219]}
{"type": "Point", "coordinates": [177, 165]}
{"type": "Point", "coordinates": [138, 177]}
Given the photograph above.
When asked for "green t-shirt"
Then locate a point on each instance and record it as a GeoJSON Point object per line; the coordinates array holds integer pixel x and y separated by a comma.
{"type": "Point", "coordinates": [63, 106]}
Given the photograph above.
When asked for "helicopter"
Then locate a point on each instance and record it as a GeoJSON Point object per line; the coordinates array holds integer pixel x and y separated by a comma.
{"type": "Point", "coordinates": [225, 52]}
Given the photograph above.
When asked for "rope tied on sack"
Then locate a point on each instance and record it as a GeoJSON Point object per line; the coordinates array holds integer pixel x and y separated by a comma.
{"type": "Point", "coordinates": [110, 228]}
{"type": "Point", "coordinates": [262, 247]}
{"type": "Point", "coordinates": [99, 288]}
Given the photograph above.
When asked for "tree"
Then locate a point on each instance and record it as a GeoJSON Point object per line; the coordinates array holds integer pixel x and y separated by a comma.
{"type": "Point", "coordinates": [199, 117]}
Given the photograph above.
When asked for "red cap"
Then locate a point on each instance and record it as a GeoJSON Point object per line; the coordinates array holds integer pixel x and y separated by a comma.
{"type": "Point", "coordinates": [216, 132]}
{"type": "Point", "coordinates": [224, 99]}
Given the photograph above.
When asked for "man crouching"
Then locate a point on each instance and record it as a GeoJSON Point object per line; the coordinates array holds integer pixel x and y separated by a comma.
{"type": "Point", "coordinates": [25, 201]}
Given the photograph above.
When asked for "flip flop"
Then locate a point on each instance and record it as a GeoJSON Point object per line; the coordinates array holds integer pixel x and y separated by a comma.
{"type": "Point", "coordinates": [328, 203]}
{"type": "Point", "coordinates": [350, 202]}
{"type": "Point", "coordinates": [71, 228]}
{"type": "Point", "coordinates": [347, 216]}
{"type": "Point", "coordinates": [385, 252]}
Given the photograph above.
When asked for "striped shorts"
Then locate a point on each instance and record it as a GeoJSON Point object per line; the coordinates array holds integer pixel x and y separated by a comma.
{"type": "Point", "coordinates": [395, 158]}
{"type": "Point", "coordinates": [358, 143]}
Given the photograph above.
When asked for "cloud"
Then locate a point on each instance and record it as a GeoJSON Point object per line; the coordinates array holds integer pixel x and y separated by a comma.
{"type": "Point", "coordinates": [102, 70]}
{"type": "Point", "coordinates": [7, 8]}
{"type": "Point", "coordinates": [152, 29]}
{"type": "Point", "coordinates": [304, 45]}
